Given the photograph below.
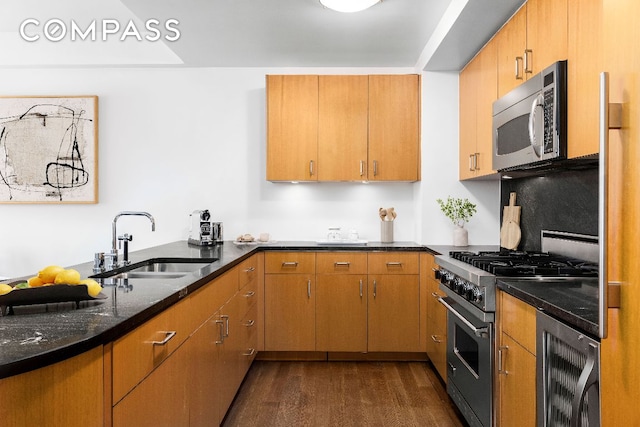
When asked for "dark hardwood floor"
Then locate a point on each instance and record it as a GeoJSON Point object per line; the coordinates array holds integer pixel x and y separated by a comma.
{"type": "Point", "coordinates": [342, 394]}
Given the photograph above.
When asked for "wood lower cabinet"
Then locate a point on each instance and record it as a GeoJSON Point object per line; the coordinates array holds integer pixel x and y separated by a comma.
{"type": "Point", "coordinates": [436, 325]}
{"type": "Point", "coordinates": [516, 362]}
{"type": "Point", "coordinates": [290, 312]}
{"type": "Point", "coordinates": [68, 393]}
{"type": "Point", "coordinates": [394, 302]}
{"type": "Point", "coordinates": [341, 302]}
{"type": "Point", "coordinates": [161, 399]}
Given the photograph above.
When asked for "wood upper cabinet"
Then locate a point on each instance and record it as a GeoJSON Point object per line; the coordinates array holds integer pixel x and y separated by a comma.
{"type": "Point", "coordinates": [341, 302]}
{"type": "Point", "coordinates": [478, 91]}
{"type": "Point", "coordinates": [516, 370]}
{"type": "Point", "coordinates": [394, 128]}
{"type": "Point", "coordinates": [292, 127]}
{"type": "Point", "coordinates": [619, 376]}
{"type": "Point", "coordinates": [342, 128]}
{"type": "Point", "coordinates": [534, 38]}
{"type": "Point", "coordinates": [584, 65]}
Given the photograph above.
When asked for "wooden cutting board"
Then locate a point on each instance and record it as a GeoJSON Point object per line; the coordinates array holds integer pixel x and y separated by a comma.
{"type": "Point", "coordinates": [510, 232]}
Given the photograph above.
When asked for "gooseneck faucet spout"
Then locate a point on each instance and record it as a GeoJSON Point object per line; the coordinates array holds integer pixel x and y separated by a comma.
{"type": "Point", "coordinates": [127, 238]}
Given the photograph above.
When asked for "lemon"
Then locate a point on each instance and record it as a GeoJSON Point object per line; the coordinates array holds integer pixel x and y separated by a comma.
{"type": "Point", "coordinates": [5, 289]}
{"type": "Point", "coordinates": [35, 282]}
{"type": "Point", "coordinates": [68, 276]}
{"type": "Point", "coordinates": [93, 287]}
{"type": "Point", "coordinates": [49, 273]}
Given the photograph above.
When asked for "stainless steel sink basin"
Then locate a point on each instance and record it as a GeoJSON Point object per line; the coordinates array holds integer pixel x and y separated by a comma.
{"type": "Point", "coordinates": [157, 268]}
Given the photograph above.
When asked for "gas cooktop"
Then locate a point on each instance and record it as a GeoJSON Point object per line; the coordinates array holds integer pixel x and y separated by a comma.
{"type": "Point", "coordinates": [527, 264]}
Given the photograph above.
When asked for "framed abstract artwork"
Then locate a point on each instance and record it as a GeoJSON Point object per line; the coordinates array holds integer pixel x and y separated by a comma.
{"type": "Point", "coordinates": [49, 149]}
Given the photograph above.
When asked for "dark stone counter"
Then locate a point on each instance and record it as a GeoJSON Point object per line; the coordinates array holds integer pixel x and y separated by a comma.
{"type": "Point", "coordinates": [40, 335]}
{"type": "Point", "coordinates": [573, 301]}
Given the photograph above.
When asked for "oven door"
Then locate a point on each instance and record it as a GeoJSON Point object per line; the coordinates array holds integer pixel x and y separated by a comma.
{"type": "Point", "coordinates": [469, 363]}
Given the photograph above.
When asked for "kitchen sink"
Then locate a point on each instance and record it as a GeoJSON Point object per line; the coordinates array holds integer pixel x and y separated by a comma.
{"type": "Point", "coordinates": [157, 268]}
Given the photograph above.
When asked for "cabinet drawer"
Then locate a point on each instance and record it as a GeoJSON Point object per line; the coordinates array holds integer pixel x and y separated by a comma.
{"type": "Point", "coordinates": [394, 263]}
{"type": "Point", "coordinates": [249, 337]}
{"type": "Point", "coordinates": [140, 351]}
{"type": "Point", "coordinates": [247, 271]}
{"type": "Point", "coordinates": [209, 298]}
{"type": "Point", "coordinates": [518, 320]}
{"type": "Point", "coordinates": [341, 263]}
{"type": "Point", "coordinates": [290, 262]}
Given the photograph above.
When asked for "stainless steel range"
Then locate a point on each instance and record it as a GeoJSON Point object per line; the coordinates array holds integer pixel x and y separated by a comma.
{"type": "Point", "coordinates": [469, 282]}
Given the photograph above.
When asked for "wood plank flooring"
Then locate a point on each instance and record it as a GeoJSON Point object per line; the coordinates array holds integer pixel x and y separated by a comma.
{"type": "Point", "coordinates": [294, 394]}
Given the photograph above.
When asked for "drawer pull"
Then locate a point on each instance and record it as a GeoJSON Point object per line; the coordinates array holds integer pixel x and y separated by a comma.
{"type": "Point", "coordinates": [375, 288]}
{"type": "Point", "coordinates": [249, 323]}
{"type": "Point", "coordinates": [501, 370]}
{"type": "Point", "coordinates": [251, 352]}
{"type": "Point", "coordinates": [167, 337]}
{"type": "Point", "coordinates": [250, 270]}
{"type": "Point", "coordinates": [394, 264]}
{"type": "Point", "coordinates": [290, 264]}
{"type": "Point", "coordinates": [360, 288]}
{"type": "Point", "coordinates": [435, 295]}
{"type": "Point", "coordinates": [249, 294]}
{"type": "Point", "coordinates": [436, 339]}
{"type": "Point", "coordinates": [220, 339]}
{"type": "Point", "coordinates": [309, 288]}
{"type": "Point", "coordinates": [342, 264]}
{"type": "Point", "coordinates": [225, 318]}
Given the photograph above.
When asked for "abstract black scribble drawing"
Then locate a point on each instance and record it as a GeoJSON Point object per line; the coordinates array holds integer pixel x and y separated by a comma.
{"type": "Point", "coordinates": [47, 149]}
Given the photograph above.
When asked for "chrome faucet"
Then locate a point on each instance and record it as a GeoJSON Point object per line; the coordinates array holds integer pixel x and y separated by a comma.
{"type": "Point", "coordinates": [126, 238]}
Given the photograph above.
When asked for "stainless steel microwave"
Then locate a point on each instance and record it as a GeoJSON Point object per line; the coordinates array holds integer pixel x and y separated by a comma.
{"type": "Point", "coordinates": [530, 122]}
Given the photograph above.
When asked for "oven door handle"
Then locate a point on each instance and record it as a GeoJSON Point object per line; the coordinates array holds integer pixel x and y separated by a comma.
{"type": "Point", "coordinates": [479, 332]}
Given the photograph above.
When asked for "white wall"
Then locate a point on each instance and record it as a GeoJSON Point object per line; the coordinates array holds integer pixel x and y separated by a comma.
{"type": "Point", "coordinates": [174, 140]}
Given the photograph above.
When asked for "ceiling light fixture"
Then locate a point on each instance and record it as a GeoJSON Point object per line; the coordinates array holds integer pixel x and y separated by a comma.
{"type": "Point", "coordinates": [348, 6]}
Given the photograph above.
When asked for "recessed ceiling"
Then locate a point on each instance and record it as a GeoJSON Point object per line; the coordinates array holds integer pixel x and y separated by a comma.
{"type": "Point", "coordinates": [423, 34]}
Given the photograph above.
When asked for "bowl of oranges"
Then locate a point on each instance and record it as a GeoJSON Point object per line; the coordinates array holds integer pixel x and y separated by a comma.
{"type": "Point", "coordinates": [52, 284]}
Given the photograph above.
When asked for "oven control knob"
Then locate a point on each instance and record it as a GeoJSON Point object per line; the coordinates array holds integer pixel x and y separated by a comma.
{"type": "Point", "coordinates": [460, 286]}
{"type": "Point", "coordinates": [469, 292]}
{"type": "Point", "coordinates": [477, 295]}
{"type": "Point", "coordinates": [437, 273]}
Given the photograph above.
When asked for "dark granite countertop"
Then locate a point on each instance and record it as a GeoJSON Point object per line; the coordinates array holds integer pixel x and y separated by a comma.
{"type": "Point", "coordinates": [37, 336]}
{"type": "Point", "coordinates": [572, 300]}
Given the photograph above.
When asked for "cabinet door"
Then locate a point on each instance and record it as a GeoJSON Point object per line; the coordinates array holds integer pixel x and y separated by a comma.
{"type": "Point", "coordinates": [546, 34]}
{"type": "Point", "coordinates": [204, 373]}
{"type": "Point", "coordinates": [292, 128]}
{"type": "Point", "coordinates": [342, 128]}
{"type": "Point", "coordinates": [583, 74]}
{"type": "Point", "coordinates": [487, 88]}
{"type": "Point", "coordinates": [394, 128]}
{"type": "Point", "coordinates": [468, 119]}
{"type": "Point", "coordinates": [394, 318]}
{"type": "Point", "coordinates": [620, 379]}
{"type": "Point", "coordinates": [161, 399]}
{"type": "Point", "coordinates": [290, 301]}
{"type": "Point", "coordinates": [436, 333]}
{"type": "Point", "coordinates": [517, 381]}
{"type": "Point", "coordinates": [341, 312]}
{"type": "Point", "coordinates": [512, 42]}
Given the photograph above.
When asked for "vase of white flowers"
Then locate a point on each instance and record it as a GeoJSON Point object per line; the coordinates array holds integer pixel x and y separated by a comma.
{"type": "Point", "coordinates": [459, 211]}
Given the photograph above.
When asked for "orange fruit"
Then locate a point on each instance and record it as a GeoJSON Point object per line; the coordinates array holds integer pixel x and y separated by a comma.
{"type": "Point", "coordinates": [49, 273]}
{"type": "Point", "coordinates": [68, 277]}
{"type": "Point", "coordinates": [35, 282]}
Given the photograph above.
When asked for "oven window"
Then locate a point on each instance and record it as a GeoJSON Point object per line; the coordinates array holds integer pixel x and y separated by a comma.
{"type": "Point", "coordinates": [466, 348]}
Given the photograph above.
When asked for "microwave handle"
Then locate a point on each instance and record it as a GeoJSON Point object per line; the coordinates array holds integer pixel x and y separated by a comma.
{"type": "Point", "coordinates": [537, 102]}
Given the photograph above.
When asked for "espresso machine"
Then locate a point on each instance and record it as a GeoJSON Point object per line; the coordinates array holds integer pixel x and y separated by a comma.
{"type": "Point", "coordinates": [202, 231]}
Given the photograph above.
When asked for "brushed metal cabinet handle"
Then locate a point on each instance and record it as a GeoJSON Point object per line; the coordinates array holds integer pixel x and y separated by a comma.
{"type": "Point", "coordinates": [167, 337]}
{"type": "Point", "coordinates": [518, 75]}
{"type": "Point", "coordinates": [528, 61]}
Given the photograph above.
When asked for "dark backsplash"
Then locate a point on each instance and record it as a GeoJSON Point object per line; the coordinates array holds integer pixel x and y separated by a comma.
{"type": "Point", "coordinates": [560, 201]}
